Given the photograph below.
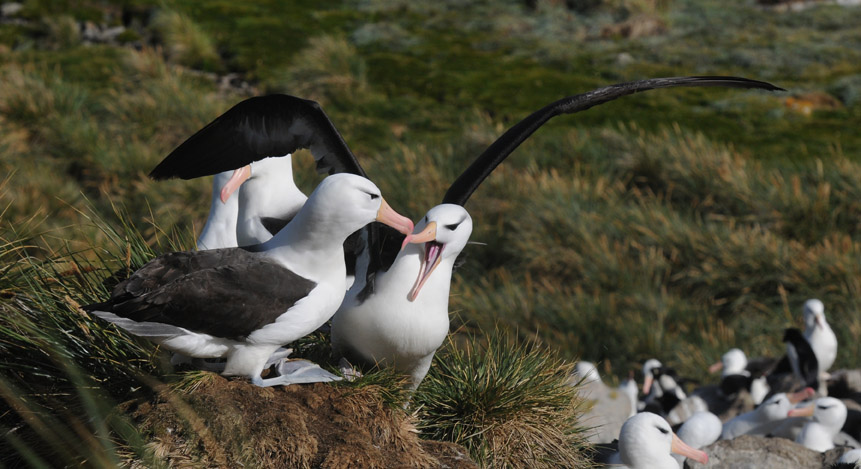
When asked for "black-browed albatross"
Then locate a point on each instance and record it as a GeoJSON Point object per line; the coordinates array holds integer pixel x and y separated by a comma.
{"type": "Point", "coordinates": [243, 304]}
{"type": "Point", "coordinates": [267, 197]}
{"type": "Point", "coordinates": [416, 324]}
{"type": "Point", "coordinates": [396, 326]}
{"type": "Point", "coordinates": [219, 231]}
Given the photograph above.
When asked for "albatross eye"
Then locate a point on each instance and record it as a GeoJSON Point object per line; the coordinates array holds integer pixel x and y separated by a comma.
{"type": "Point", "coordinates": [452, 227]}
{"type": "Point", "coordinates": [663, 430]}
{"type": "Point", "coordinates": [374, 196]}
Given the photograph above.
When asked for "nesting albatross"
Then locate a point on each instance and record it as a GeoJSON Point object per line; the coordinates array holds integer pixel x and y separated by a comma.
{"type": "Point", "coordinates": [396, 313]}
{"type": "Point", "coordinates": [401, 327]}
{"type": "Point", "coordinates": [243, 304]}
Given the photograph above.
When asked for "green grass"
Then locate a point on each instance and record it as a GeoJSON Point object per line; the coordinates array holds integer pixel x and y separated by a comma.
{"type": "Point", "coordinates": [506, 402]}
{"type": "Point", "coordinates": [678, 223]}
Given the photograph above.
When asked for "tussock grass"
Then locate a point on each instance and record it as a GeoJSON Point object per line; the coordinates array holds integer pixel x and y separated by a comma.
{"type": "Point", "coordinates": [328, 69]}
{"type": "Point", "coordinates": [62, 370]}
{"type": "Point", "coordinates": [678, 224]}
{"type": "Point", "coordinates": [685, 240]}
{"type": "Point", "coordinates": [506, 402]}
{"type": "Point", "coordinates": [185, 41]}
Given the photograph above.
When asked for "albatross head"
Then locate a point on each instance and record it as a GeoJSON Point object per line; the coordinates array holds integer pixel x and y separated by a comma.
{"type": "Point", "coordinates": [277, 169]}
{"type": "Point", "coordinates": [444, 230]}
{"type": "Point", "coordinates": [828, 411]}
{"type": "Point", "coordinates": [646, 440]}
{"type": "Point", "coordinates": [814, 314]}
{"type": "Point", "coordinates": [346, 202]}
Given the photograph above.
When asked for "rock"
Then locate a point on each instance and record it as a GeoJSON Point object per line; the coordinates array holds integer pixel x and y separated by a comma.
{"type": "Point", "coordinates": [624, 58]}
{"type": "Point", "coordinates": [110, 34]}
{"type": "Point", "coordinates": [635, 27]}
{"type": "Point", "coordinates": [10, 9]}
{"type": "Point", "coordinates": [95, 33]}
{"type": "Point", "coordinates": [755, 452]}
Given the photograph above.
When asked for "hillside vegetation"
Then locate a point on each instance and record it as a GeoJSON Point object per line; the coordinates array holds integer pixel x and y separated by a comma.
{"type": "Point", "coordinates": [673, 224]}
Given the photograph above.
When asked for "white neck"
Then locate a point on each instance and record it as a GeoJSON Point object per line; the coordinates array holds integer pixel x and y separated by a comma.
{"type": "Point", "coordinates": [399, 279]}
{"type": "Point", "coordinates": [220, 228]}
{"type": "Point", "coordinates": [310, 245]}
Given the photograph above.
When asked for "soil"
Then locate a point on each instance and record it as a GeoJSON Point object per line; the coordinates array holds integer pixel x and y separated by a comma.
{"type": "Point", "coordinates": [232, 423]}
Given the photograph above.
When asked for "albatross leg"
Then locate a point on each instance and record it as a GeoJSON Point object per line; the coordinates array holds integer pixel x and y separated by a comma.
{"type": "Point", "coordinates": [278, 357]}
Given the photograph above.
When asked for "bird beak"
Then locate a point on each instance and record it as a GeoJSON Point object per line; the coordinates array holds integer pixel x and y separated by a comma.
{"type": "Point", "coordinates": [647, 383]}
{"type": "Point", "coordinates": [819, 322]}
{"type": "Point", "coordinates": [425, 235]}
{"type": "Point", "coordinates": [431, 259]}
{"type": "Point", "coordinates": [681, 448]}
{"type": "Point", "coordinates": [716, 367]}
{"type": "Point", "coordinates": [806, 411]}
{"type": "Point", "coordinates": [388, 216]}
{"type": "Point", "coordinates": [239, 176]}
{"type": "Point", "coordinates": [799, 396]}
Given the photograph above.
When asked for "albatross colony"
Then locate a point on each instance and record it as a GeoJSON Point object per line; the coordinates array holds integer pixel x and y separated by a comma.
{"type": "Point", "coordinates": [396, 312]}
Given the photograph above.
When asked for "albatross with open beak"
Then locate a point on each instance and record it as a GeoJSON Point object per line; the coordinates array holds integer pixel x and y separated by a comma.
{"type": "Point", "coordinates": [406, 319]}
{"type": "Point", "coordinates": [278, 124]}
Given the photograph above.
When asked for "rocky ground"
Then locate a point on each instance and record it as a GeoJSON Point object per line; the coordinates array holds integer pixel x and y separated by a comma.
{"type": "Point", "coordinates": [754, 452]}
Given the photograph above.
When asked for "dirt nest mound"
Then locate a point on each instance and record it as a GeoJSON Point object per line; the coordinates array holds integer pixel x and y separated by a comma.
{"type": "Point", "coordinates": [231, 423]}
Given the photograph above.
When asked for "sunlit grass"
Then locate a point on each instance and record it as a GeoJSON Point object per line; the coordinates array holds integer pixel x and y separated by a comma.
{"type": "Point", "coordinates": [678, 223]}
{"type": "Point", "coordinates": [506, 402]}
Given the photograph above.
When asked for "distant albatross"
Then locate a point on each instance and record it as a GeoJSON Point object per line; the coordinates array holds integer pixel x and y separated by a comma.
{"type": "Point", "coordinates": [397, 312]}
{"type": "Point", "coordinates": [243, 304]}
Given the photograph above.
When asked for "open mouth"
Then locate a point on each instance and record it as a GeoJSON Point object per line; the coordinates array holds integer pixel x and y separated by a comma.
{"type": "Point", "coordinates": [431, 259]}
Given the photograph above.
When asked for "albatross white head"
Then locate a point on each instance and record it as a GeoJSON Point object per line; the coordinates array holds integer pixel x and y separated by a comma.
{"type": "Point", "coordinates": [266, 191]}
{"type": "Point", "coordinates": [444, 230]}
{"type": "Point", "coordinates": [819, 334]}
{"type": "Point", "coordinates": [343, 203]}
{"type": "Point", "coordinates": [647, 441]}
{"type": "Point", "coordinates": [829, 415]}
{"type": "Point", "coordinates": [733, 362]}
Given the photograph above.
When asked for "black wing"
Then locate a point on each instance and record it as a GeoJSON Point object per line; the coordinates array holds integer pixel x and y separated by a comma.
{"type": "Point", "coordinates": [730, 385]}
{"type": "Point", "coordinates": [231, 299]}
{"type": "Point", "coordinates": [462, 188]}
{"type": "Point", "coordinates": [257, 128]}
{"type": "Point", "coordinates": [808, 365]}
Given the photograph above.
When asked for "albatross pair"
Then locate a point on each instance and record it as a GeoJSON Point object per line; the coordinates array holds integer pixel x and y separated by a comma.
{"type": "Point", "coordinates": [385, 318]}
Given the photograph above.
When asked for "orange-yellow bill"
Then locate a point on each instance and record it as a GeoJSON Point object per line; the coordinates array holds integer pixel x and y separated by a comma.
{"type": "Point", "coordinates": [239, 176]}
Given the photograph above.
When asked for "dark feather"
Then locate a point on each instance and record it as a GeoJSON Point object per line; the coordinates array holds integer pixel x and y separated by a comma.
{"type": "Point", "coordinates": [208, 292]}
{"type": "Point", "coordinates": [273, 225]}
{"type": "Point", "coordinates": [730, 385]}
{"type": "Point", "coordinates": [761, 366]}
{"type": "Point", "coordinates": [462, 188]}
{"type": "Point", "coordinates": [807, 363]}
{"type": "Point", "coordinates": [257, 128]}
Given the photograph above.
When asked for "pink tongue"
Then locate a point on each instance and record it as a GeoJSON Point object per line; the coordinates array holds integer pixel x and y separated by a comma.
{"type": "Point", "coordinates": [430, 257]}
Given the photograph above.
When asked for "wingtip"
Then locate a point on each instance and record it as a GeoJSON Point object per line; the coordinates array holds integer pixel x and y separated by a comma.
{"type": "Point", "coordinates": [746, 82]}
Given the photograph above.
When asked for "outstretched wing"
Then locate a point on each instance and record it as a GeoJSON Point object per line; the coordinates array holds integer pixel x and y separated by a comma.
{"type": "Point", "coordinates": [459, 192]}
{"type": "Point", "coordinates": [257, 128]}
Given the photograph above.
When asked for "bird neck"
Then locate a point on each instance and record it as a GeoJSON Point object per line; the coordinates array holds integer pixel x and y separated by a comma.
{"type": "Point", "coordinates": [401, 277]}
